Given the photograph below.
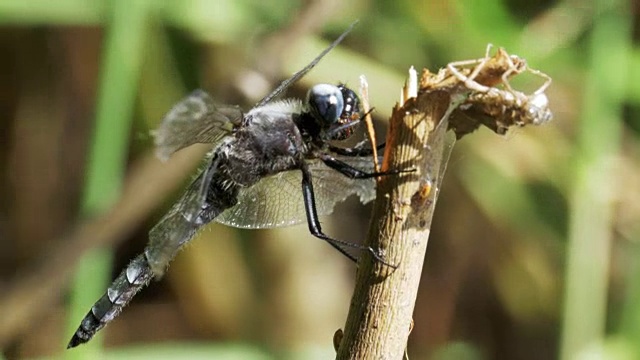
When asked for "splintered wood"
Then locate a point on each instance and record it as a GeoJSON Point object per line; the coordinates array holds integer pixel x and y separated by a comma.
{"type": "Point", "coordinates": [366, 108]}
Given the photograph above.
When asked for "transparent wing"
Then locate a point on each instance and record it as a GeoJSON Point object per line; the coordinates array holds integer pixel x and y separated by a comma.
{"type": "Point", "coordinates": [297, 76]}
{"type": "Point", "coordinates": [175, 228]}
{"type": "Point", "coordinates": [276, 201]}
{"type": "Point", "coordinates": [435, 157]}
{"type": "Point", "coordinates": [195, 119]}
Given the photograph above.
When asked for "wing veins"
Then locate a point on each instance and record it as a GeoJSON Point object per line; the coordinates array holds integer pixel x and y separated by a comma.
{"type": "Point", "coordinates": [297, 76]}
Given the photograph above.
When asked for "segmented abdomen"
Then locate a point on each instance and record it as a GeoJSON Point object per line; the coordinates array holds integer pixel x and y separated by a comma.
{"type": "Point", "coordinates": [133, 278]}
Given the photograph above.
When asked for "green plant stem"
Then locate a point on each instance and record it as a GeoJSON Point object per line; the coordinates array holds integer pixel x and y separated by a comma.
{"type": "Point", "coordinates": [122, 57]}
{"type": "Point", "coordinates": [590, 228]}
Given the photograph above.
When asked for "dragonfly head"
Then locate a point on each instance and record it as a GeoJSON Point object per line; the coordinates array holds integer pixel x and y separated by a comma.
{"type": "Point", "coordinates": [336, 109]}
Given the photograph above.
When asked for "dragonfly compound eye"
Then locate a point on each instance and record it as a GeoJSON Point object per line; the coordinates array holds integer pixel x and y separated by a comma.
{"type": "Point", "coordinates": [351, 109]}
{"type": "Point", "coordinates": [326, 103]}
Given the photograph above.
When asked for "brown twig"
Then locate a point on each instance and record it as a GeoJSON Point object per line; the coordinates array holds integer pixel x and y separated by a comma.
{"type": "Point", "coordinates": [470, 93]}
{"type": "Point", "coordinates": [378, 322]}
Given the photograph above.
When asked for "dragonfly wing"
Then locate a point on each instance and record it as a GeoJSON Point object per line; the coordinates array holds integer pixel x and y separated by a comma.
{"type": "Point", "coordinates": [176, 228]}
{"type": "Point", "coordinates": [297, 76]}
{"type": "Point", "coordinates": [276, 201]}
{"type": "Point", "coordinates": [195, 119]}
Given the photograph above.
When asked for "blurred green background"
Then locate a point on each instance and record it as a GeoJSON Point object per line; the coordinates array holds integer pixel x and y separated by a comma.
{"type": "Point", "coordinates": [534, 250]}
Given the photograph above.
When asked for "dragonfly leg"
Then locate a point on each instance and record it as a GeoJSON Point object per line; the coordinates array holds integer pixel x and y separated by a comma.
{"type": "Point", "coordinates": [358, 150]}
{"type": "Point", "coordinates": [353, 173]}
{"type": "Point", "coordinates": [316, 229]}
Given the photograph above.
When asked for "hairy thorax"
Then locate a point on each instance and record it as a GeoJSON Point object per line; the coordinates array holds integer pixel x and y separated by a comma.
{"type": "Point", "coordinates": [269, 144]}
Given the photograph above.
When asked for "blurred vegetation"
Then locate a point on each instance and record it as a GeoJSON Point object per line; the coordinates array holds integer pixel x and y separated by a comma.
{"type": "Point", "coordinates": [534, 252]}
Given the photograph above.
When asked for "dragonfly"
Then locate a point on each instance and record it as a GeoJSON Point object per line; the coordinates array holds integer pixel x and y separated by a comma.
{"type": "Point", "coordinates": [278, 164]}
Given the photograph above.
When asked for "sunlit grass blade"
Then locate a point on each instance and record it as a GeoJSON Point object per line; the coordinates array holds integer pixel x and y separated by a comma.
{"type": "Point", "coordinates": [591, 197]}
{"type": "Point", "coordinates": [122, 57]}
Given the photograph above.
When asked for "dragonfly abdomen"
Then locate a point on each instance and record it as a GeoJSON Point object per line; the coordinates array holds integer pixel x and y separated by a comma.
{"type": "Point", "coordinates": [133, 278]}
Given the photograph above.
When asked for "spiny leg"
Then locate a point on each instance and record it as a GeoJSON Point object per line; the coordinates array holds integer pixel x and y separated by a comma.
{"type": "Point", "coordinates": [334, 132]}
{"type": "Point", "coordinates": [513, 69]}
{"type": "Point", "coordinates": [314, 223]}
{"type": "Point", "coordinates": [312, 216]}
{"type": "Point", "coordinates": [514, 65]}
{"type": "Point", "coordinates": [316, 229]}
{"type": "Point", "coordinates": [353, 173]}
{"type": "Point", "coordinates": [358, 150]}
{"type": "Point", "coordinates": [469, 81]}
{"type": "Point", "coordinates": [518, 66]}
{"type": "Point", "coordinates": [547, 81]}
{"type": "Point", "coordinates": [479, 64]}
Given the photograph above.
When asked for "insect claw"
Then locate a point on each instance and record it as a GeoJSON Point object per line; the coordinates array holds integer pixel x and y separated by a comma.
{"type": "Point", "coordinates": [379, 258]}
